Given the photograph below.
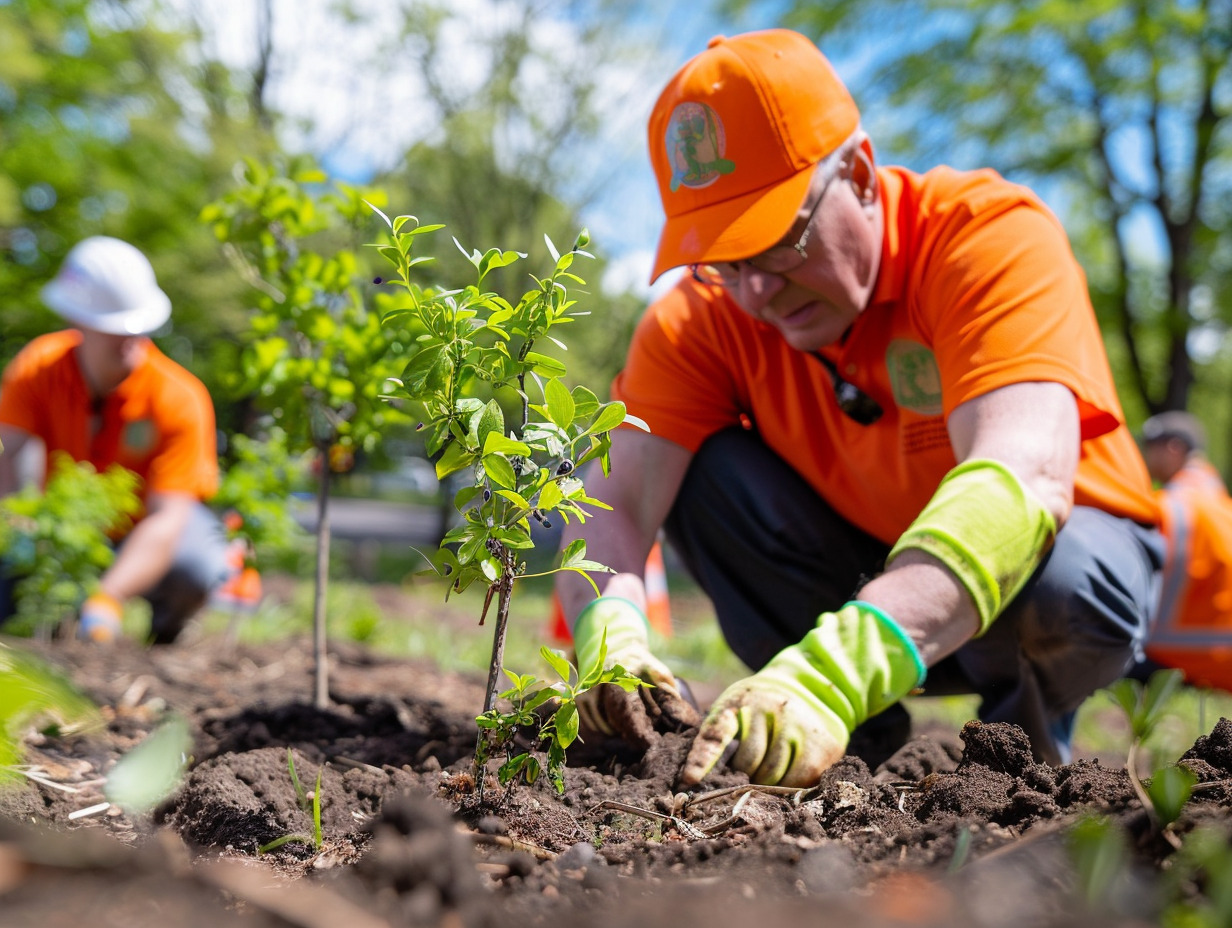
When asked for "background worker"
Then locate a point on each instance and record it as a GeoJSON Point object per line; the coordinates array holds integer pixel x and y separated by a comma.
{"type": "Point", "coordinates": [1174, 448]}
{"type": "Point", "coordinates": [102, 392]}
{"type": "Point", "coordinates": [884, 436]}
{"type": "Point", "coordinates": [1192, 628]}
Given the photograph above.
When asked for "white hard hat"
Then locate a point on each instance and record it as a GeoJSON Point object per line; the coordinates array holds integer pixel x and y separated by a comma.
{"type": "Point", "coordinates": [108, 286]}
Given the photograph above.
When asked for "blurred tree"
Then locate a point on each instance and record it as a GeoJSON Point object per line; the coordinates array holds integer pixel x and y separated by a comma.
{"type": "Point", "coordinates": [509, 160]}
{"type": "Point", "coordinates": [111, 123]}
{"type": "Point", "coordinates": [1121, 111]}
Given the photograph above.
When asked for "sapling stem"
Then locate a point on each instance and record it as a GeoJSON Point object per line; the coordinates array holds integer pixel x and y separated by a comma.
{"type": "Point", "coordinates": [319, 644]}
{"type": "Point", "coordinates": [504, 591]}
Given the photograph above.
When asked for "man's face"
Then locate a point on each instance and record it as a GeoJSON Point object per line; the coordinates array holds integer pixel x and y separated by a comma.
{"type": "Point", "coordinates": [813, 304]}
{"type": "Point", "coordinates": [1164, 457]}
{"type": "Point", "coordinates": [110, 358]}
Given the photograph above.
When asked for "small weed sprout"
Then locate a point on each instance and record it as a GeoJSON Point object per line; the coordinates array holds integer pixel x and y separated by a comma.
{"type": "Point", "coordinates": [307, 804]}
{"type": "Point", "coordinates": [498, 731]}
{"type": "Point", "coordinates": [1167, 791]}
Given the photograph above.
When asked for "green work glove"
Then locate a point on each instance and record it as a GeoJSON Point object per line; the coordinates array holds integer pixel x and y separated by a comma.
{"type": "Point", "coordinates": [609, 709]}
{"type": "Point", "coordinates": [794, 716]}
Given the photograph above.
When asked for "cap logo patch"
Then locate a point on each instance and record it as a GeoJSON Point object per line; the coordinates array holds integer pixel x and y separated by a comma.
{"type": "Point", "coordinates": [696, 142]}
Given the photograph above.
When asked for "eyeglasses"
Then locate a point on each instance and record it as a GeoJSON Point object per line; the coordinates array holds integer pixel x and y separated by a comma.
{"type": "Point", "coordinates": [853, 402]}
{"type": "Point", "coordinates": [778, 259]}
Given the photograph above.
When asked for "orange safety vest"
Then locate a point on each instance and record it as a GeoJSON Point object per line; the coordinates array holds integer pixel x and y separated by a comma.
{"type": "Point", "coordinates": [1193, 626]}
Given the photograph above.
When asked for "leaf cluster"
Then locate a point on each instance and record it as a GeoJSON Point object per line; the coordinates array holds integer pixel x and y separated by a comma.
{"type": "Point", "coordinates": [316, 357]}
{"type": "Point", "coordinates": [462, 341]}
{"type": "Point", "coordinates": [57, 540]}
{"type": "Point", "coordinates": [256, 483]}
{"type": "Point", "coordinates": [552, 731]}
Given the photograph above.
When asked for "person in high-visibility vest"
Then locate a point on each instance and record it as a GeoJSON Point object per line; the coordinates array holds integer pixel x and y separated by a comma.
{"type": "Point", "coordinates": [1192, 630]}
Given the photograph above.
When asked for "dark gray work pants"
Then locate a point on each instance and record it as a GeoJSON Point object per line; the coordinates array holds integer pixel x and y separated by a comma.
{"type": "Point", "coordinates": [772, 555]}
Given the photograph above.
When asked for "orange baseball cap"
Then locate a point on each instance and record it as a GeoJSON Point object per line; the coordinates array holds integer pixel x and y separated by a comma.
{"type": "Point", "coordinates": [734, 138]}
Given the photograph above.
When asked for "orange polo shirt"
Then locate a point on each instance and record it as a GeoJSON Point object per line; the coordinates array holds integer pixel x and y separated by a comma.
{"type": "Point", "coordinates": [978, 289]}
{"type": "Point", "coordinates": [159, 422]}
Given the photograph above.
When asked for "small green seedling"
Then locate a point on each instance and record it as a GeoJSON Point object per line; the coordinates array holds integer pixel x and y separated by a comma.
{"type": "Point", "coordinates": [307, 804]}
{"type": "Point", "coordinates": [499, 731]}
{"type": "Point", "coordinates": [1170, 788]}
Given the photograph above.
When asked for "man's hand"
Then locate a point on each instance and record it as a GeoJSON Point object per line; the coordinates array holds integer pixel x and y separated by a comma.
{"type": "Point", "coordinates": [100, 619]}
{"type": "Point", "coordinates": [609, 709]}
{"type": "Point", "coordinates": [795, 715]}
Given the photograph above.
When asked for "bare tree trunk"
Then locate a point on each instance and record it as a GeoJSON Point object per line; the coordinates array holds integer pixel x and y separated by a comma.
{"type": "Point", "coordinates": [319, 648]}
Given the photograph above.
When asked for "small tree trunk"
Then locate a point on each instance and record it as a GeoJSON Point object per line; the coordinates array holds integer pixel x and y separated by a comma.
{"type": "Point", "coordinates": [319, 652]}
{"type": "Point", "coordinates": [498, 642]}
{"type": "Point", "coordinates": [505, 592]}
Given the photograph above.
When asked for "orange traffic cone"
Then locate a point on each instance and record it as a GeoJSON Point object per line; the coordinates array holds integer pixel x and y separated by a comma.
{"type": "Point", "coordinates": [658, 606]}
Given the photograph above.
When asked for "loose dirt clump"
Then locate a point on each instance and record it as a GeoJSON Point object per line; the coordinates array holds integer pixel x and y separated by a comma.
{"type": "Point", "coordinates": [955, 831]}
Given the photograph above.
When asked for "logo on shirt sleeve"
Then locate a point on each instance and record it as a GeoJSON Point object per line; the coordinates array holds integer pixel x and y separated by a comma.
{"type": "Point", "coordinates": [914, 377]}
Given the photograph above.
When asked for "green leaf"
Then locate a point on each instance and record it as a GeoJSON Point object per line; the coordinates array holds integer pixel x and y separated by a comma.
{"type": "Point", "coordinates": [514, 497]}
{"type": "Point", "coordinates": [557, 662]}
{"type": "Point", "coordinates": [560, 403]}
{"type": "Point", "coordinates": [494, 258]}
{"type": "Point", "coordinates": [610, 416]}
{"type": "Point", "coordinates": [151, 771]}
{"type": "Point", "coordinates": [567, 724]}
{"type": "Point", "coordinates": [500, 470]}
{"type": "Point", "coordinates": [574, 551]}
{"type": "Point", "coordinates": [544, 365]}
{"type": "Point", "coordinates": [1155, 695]}
{"type": "Point", "coordinates": [454, 459]}
{"type": "Point", "coordinates": [549, 496]}
{"type": "Point", "coordinates": [492, 419]}
{"type": "Point", "coordinates": [585, 403]}
{"type": "Point", "coordinates": [499, 444]}
{"type": "Point", "coordinates": [1169, 790]}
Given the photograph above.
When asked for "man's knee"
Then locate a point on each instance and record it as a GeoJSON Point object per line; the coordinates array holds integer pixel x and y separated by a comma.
{"type": "Point", "coordinates": [1098, 586]}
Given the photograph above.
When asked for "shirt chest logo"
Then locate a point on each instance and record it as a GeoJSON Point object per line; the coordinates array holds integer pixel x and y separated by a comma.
{"type": "Point", "coordinates": [139, 437]}
{"type": "Point", "coordinates": [914, 377]}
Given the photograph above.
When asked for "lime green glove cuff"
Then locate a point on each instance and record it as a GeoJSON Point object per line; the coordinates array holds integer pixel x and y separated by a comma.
{"type": "Point", "coordinates": [625, 624]}
{"type": "Point", "coordinates": [987, 528]}
{"type": "Point", "coordinates": [855, 663]}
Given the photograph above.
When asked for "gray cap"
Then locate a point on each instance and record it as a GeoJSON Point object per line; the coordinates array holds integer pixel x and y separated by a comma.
{"type": "Point", "coordinates": [107, 285]}
{"type": "Point", "coordinates": [1175, 424]}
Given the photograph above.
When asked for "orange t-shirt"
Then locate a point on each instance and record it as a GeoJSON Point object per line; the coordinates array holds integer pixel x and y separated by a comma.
{"type": "Point", "coordinates": [159, 422]}
{"type": "Point", "coordinates": [978, 289]}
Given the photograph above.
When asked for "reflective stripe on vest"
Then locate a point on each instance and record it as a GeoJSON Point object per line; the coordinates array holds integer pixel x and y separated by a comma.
{"type": "Point", "coordinates": [1175, 579]}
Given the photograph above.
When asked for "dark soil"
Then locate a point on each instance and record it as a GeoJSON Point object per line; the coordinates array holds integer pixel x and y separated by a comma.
{"type": "Point", "coordinates": [948, 832]}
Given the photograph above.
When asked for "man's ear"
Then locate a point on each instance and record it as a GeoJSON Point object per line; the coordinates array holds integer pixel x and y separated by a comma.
{"type": "Point", "coordinates": [863, 177]}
